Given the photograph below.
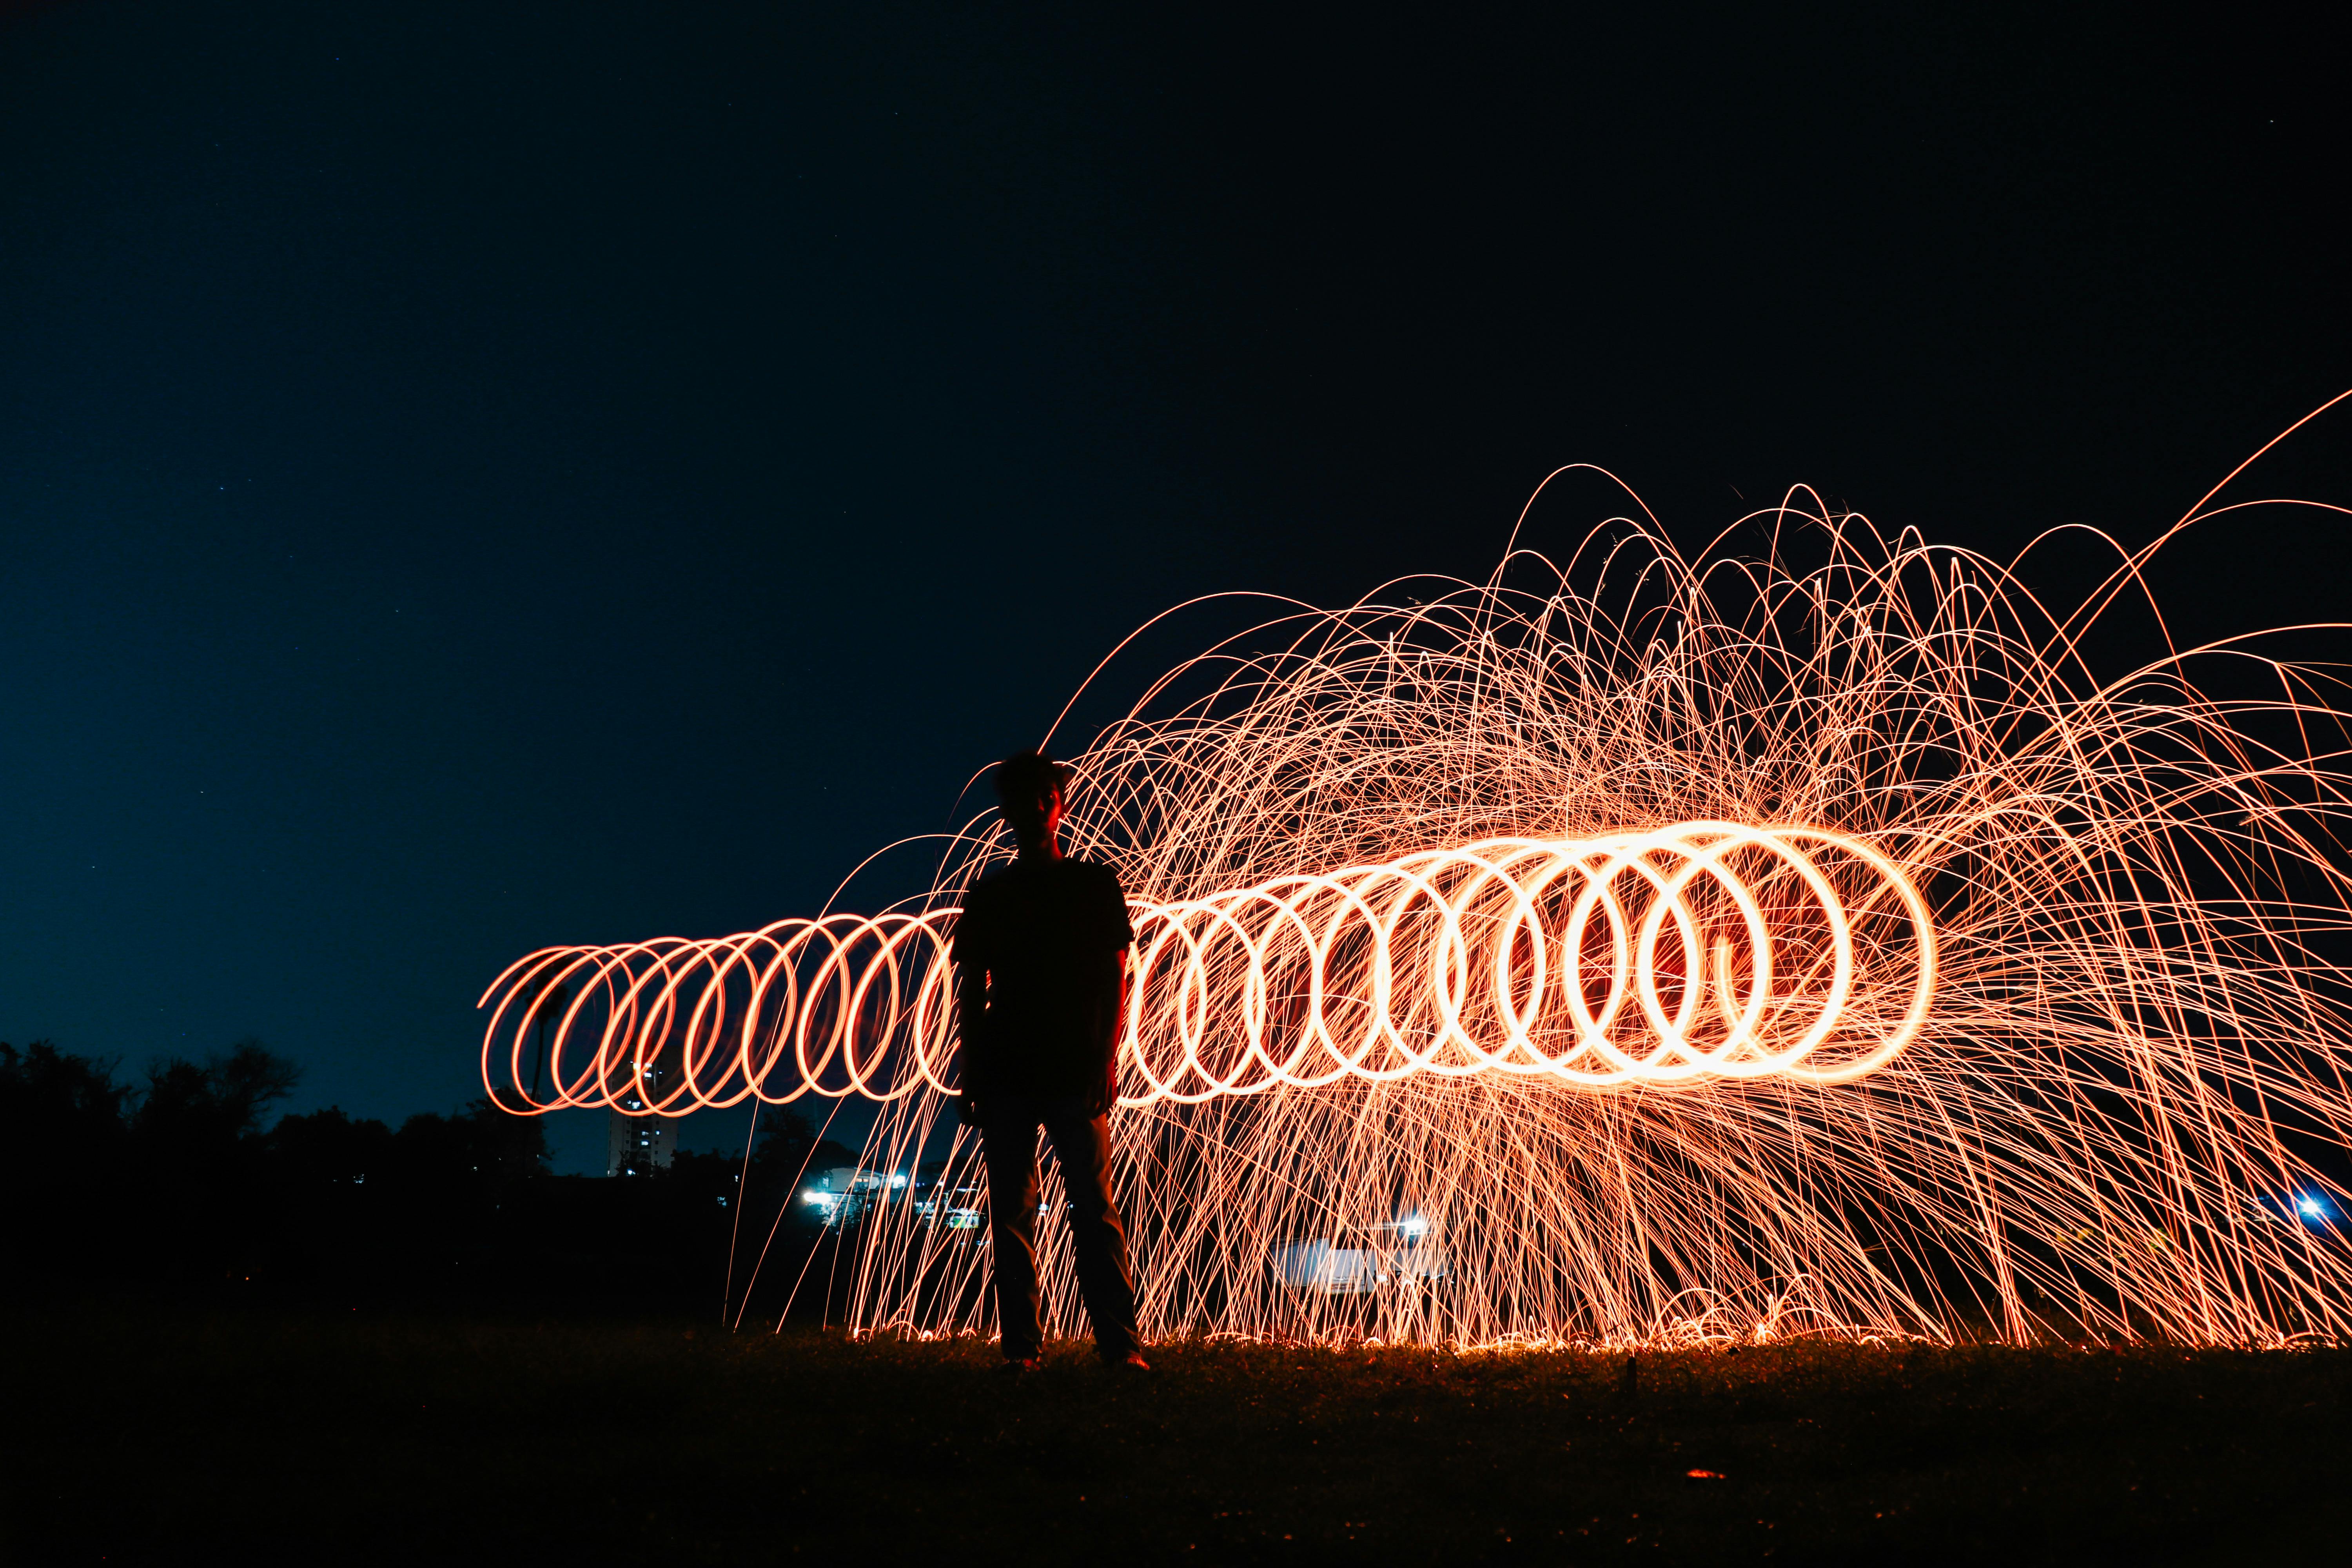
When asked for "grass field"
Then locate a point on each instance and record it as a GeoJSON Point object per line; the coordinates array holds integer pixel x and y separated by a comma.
{"type": "Point", "coordinates": [250, 1436]}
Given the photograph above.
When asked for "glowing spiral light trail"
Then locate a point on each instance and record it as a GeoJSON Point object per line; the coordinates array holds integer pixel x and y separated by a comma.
{"type": "Point", "coordinates": [1632, 951]}
{"type": "Point", "coordinates": [1464, 961]}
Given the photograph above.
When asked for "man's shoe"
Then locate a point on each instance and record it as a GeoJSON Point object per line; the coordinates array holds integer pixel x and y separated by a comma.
{"type": "Point", "coordinates": [1132, 1362]}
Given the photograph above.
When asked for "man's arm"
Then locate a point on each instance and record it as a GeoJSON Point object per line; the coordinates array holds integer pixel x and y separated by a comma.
{"type": "Point", "coordinates": [1121, 1030]}
{"type": "Point", "coordinates": [1117, 1033]}
{"type": "Point", "coordinates": [969, 951]}
{"type": "Point", "coordinates": [972, 1012]}
{"type": "Point", "coordinates": [1123, 932]}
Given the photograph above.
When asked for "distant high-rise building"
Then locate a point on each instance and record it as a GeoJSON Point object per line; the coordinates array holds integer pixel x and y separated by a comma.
{"type": "Point", "coordinates": [638, 1145]}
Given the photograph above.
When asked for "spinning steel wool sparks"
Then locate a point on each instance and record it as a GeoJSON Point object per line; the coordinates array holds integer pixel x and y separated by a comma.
{"type": "Point", "coordinates": [1640, 950]}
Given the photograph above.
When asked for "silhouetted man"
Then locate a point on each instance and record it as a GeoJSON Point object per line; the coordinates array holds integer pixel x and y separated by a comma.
{"type": "Point", "coordinates": [1041, 989]}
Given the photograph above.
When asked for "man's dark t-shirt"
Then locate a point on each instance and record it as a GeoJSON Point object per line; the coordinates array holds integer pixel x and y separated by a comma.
{"type": "Point", "coordinates": [1048, 932]}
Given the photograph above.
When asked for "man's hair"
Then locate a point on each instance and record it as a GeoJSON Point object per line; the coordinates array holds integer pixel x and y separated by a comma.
{"type": "Point", "coordinates": [1026, 777]}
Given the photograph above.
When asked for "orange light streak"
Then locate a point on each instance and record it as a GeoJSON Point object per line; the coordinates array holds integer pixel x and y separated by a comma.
{"type": "Point", "coordinates": [1465, 969]}
{"type": "Point", "coordinates": [1470, 960]}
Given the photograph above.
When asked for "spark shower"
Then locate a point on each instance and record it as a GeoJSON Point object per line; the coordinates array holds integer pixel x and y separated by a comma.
{"type": "Point", "coordinates": [1630, 948]}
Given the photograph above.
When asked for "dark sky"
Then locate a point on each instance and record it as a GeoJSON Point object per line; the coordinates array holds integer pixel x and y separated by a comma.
{"type": "Point", "coordinates": [482, 475]}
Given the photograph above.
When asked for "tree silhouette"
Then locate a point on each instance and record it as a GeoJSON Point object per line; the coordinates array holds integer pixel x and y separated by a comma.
{"type": "Point", "coordinates": [177, 1181]}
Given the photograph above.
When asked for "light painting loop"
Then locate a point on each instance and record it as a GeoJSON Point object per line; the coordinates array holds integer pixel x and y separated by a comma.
{"type": "Point", "coordinates": [1451, 963]}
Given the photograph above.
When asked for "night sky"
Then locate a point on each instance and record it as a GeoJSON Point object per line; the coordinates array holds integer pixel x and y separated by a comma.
{"type": "Point", "coordinates": [477, 476]}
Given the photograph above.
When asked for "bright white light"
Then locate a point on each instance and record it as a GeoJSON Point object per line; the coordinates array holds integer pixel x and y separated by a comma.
{"type": "Point", "coordinates": [2309, 1206]}
{"type": "Point", "coordinates": [813, 1198]}
{"type": "Point", "coordinates": [897, 1181]}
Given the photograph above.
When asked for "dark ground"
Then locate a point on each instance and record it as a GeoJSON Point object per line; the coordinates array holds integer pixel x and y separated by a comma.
{"type": "Point", "coordinates": [217, 1434]}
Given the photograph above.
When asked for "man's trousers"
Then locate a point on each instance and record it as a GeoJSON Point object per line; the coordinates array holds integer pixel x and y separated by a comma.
{"type": "Point", "coordinates": [1009, 1124]}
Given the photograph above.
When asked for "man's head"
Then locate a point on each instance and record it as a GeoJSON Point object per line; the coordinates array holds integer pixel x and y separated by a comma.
{"type": "Point", "coordinates": [1029, 785]}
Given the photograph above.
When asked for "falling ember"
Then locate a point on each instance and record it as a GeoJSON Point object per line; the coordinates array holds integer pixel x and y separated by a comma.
{"type": "Point", "coordinates": [1641, 951]}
